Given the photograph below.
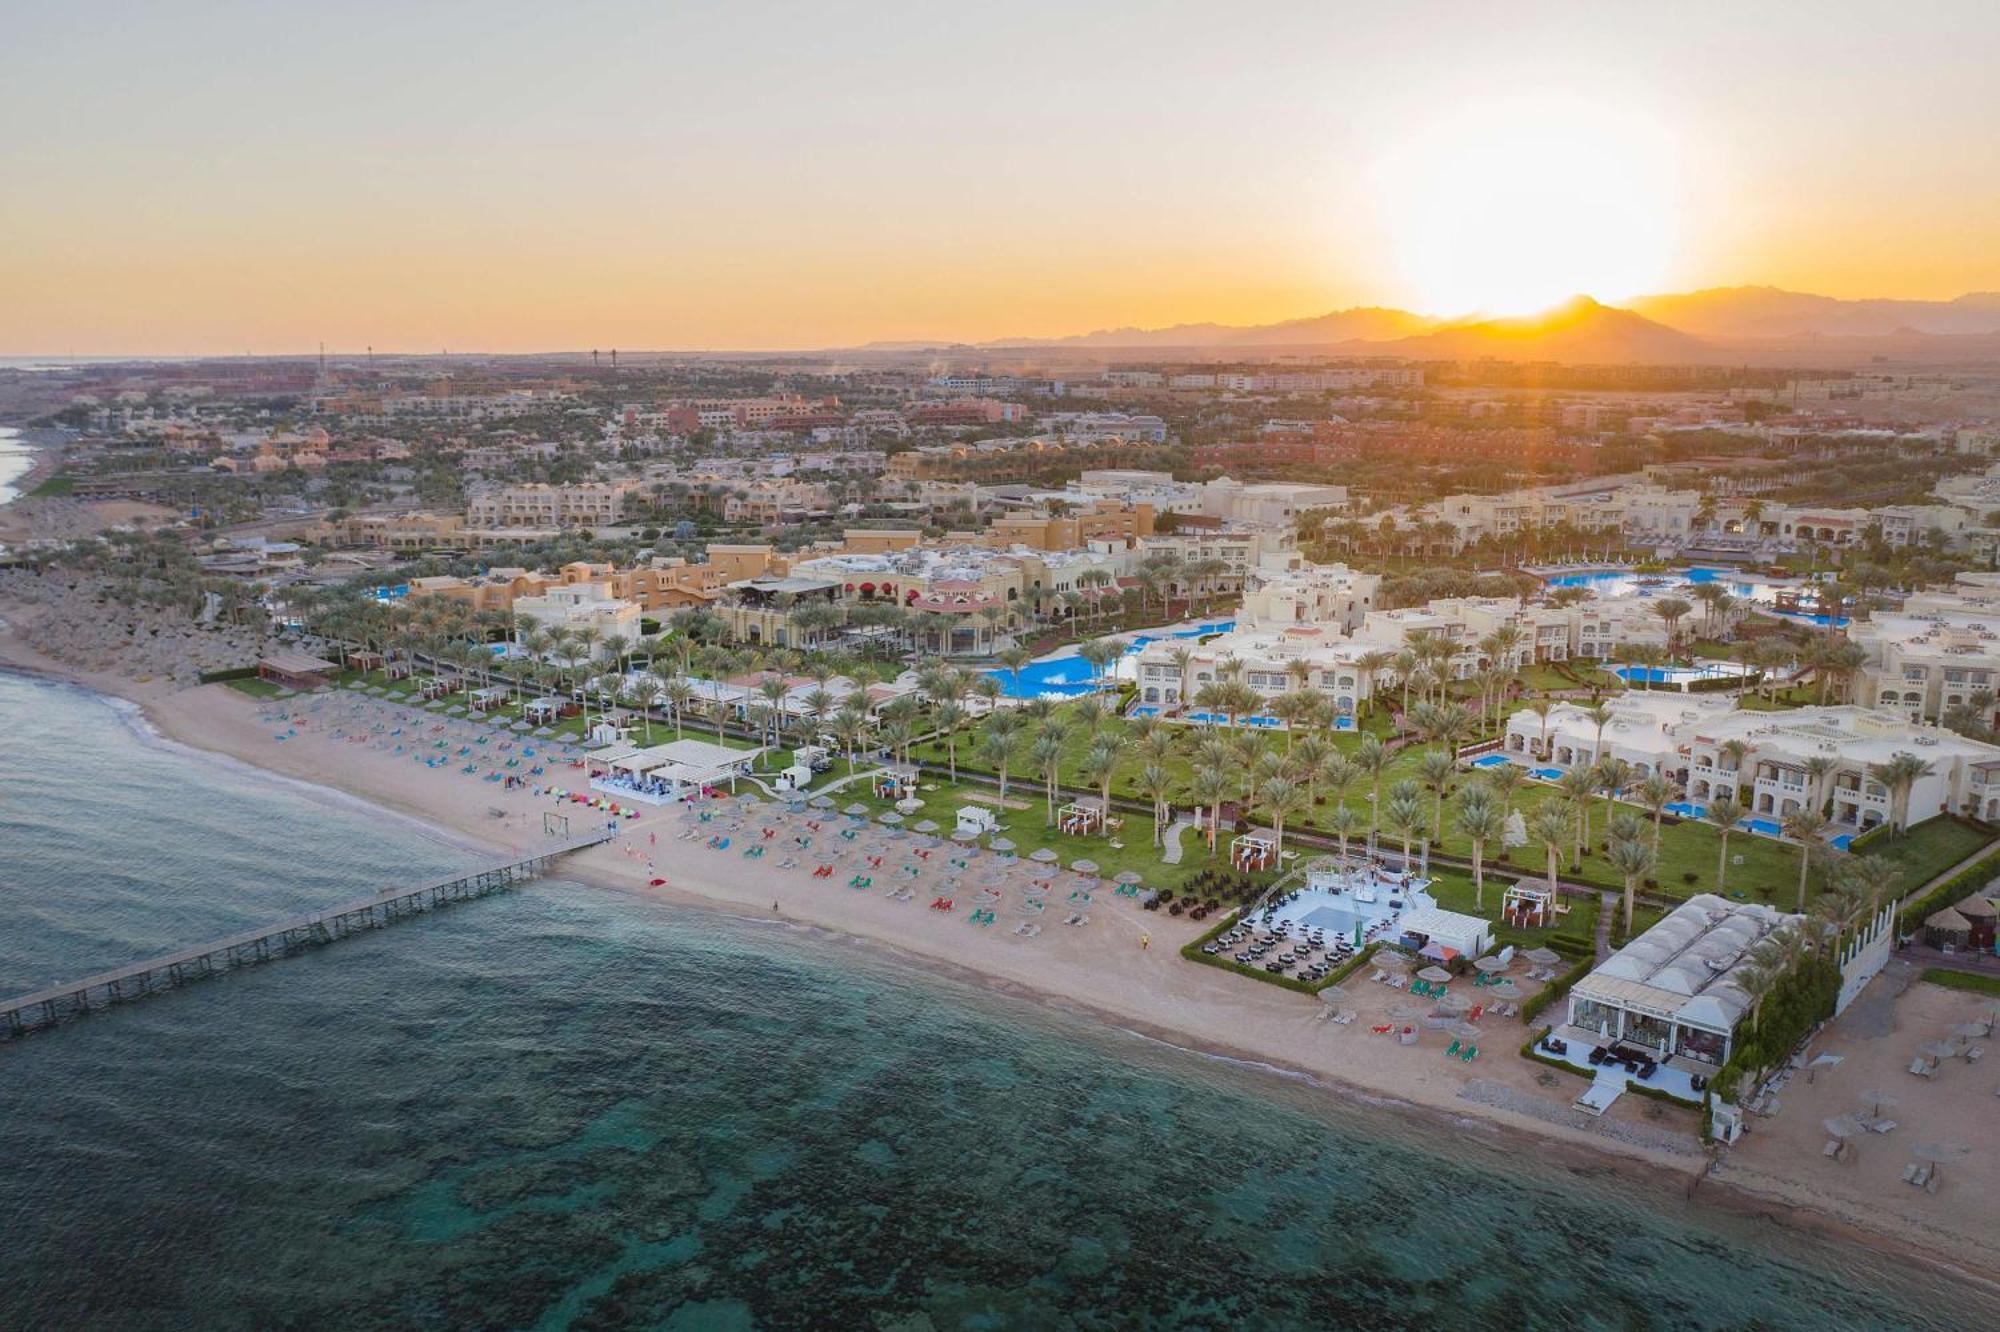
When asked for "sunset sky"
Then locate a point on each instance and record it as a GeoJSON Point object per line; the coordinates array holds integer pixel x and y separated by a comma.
{"type": "Point", "coordinates": [228, 177]}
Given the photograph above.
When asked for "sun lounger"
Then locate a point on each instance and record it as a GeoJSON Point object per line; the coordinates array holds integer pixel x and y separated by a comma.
{"type": "Point", "coordinates": [1451, 1051]}
{"type": "Point", "coordinates": [1470, 1053]}
{"type": "Point", "coordinates": [1882, 1125]}
{"type": "Point", "coordinates": [1382, 1029]}
{"type": "Point", "coordinates": [1921, 1068]}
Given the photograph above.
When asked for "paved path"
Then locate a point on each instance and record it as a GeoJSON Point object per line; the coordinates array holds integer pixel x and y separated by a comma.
{"type": "Point", "coordinates": [1172, 854]}
{"type": "Point", "coordinates": [1608, 905]}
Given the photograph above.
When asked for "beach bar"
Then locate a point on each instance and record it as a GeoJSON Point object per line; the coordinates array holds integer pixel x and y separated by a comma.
{"type": "Point", "coordinates": [296, 670]}
{"type": "Point", "coordinates": [662, 774]}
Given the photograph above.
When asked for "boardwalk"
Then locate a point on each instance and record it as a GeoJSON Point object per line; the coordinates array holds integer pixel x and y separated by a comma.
{"type": "Point", "coordinates": [46, 1008]}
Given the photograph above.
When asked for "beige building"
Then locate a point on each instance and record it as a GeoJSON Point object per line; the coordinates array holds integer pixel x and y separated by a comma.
{"type": "Point", "coordinates": [586, 504]}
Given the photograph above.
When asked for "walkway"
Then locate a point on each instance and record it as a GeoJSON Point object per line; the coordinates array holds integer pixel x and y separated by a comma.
{"type": "Point", "coordinates": [1172, 854]}
{"type": "Point", "coordinates": [1608, 905]}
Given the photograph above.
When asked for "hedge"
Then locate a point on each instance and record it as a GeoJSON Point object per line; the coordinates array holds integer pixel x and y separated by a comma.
{"type": "Point", "coordinates": [1556, 989]}
{"type": "Point", "coordinates": [1192, 952]}
{"type": "Point", "coordinates": [1971, 981]}
{"type": "Point", "coordinates": [1952, 890]}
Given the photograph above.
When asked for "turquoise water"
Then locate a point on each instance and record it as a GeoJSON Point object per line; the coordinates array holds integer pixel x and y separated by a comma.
{"type": "Point", "coordinates": [1620, 582]}
{"type": "Point", "coordinates": [1072, 677]}
{"type": "Point", "coordinates": [562, 1107]}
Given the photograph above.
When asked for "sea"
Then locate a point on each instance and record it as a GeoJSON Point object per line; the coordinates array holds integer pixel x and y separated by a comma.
{"type": "Point", "coordinates": [565, 1107]}
{"type": "Point", "coordinates": [17, 459]}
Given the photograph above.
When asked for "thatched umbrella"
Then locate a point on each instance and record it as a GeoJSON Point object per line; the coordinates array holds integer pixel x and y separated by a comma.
{"type": "Point", "coordinates": [1435, 975]}
{"type": "Point", "coordinates": [1938, 1154]}
{"type": "Point", "coordinates": [1001, 844]}
{"type": "Point", "coordinates": [821, 802]}
{"type": "Point", "coordinates": [1491, 965]}
{"type": "Point", "coordinates": [1506, 991]}
{"type": "Point", "coordinates": [1042, 856]}
{"type": "Point", "coordinates": [1970, 1031]}
{"type": "Point", "coordinates": [927, 826]}
{"type": "Point", "coordinates": [1451, 1003]}
{"type": "Point", "coordinates": [1132, 876]}
{"type": "Point", "coordinates": [966, 838]}
{"type": "Point", "coordinates": [1393, 960]}
{"type": "Point", "coordinates": [1543, 957]}
{"type": "Point", "coordinates": [856, 810]}
{"type": "Point", "coordinates": [1465, 1031]}
{"type": "Point", "coordinates": [1841, 1128]}
{"type": "Point", "coordinates": [1084, 866]}
{"type": "Point", "coordinates": [892, 818]}
{"type": "Point", "coordinates": [1877, 1102]}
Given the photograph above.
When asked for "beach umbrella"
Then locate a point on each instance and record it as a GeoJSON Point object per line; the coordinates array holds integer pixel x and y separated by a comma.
{"type": "Point", "coordinates": [1842, 1126]}
{"type": "Point", "coordinates": [1001, 844]}
{"type": "Point", "coordinates": [1969, 1030]}
{"type": "Point", "coordinates": [1435, 975]}
{"type": "Point", "coordinates": [1465, 1031]}
{"type": "Point", "coordinates": [927, 826]}
{"type": "Point", "coordinates": [1333, 995]}
{"type": "Point", "coordinates": [1506, 991]}
{"type": "Point", "coordinates": [965, 836]}
{"type": "Point", "coordinates": [1940, 1049]}
{"type": "Point", "coordinates": [1491, 965]}
{"type": "Point", "coordinates": [1940, 1152]}
{"type": "Point", "coordinates": [1392, 959]}
{"type": "Point", "coordinates": [857, 809]}
{"type": "Point", "coordinates": [1042, 856]}
{"type": "Point", "coordinates": [821, 802]}
{"type": "Point", "coordinates": [1084, 866]}
{"type": "Point", "coordinates": [1451, 1003]}
{"type": "Point", "coordinates": [1877, 1101]}
{"type": "Point", "coordinates": [1133, 876]}
{"type": "Point", "coordinates": [1543, 957]}
{"type": "Point", "coordinates": [892, 818]}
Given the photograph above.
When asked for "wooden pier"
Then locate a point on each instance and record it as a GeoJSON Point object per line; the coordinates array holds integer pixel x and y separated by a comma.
{"type": "Point", "coordinates": [47, 1008]}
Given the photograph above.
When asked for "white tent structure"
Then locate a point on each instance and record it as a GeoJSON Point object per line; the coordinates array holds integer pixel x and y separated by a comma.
{"type": "Point", "coordinates": [660, 774]}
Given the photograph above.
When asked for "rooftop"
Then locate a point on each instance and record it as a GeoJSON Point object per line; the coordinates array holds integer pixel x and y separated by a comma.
{"type": "Point", "coordinates": [1687, 968]}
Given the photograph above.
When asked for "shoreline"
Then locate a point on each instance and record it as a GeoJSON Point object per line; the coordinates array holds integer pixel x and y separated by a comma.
{"type": "Point", "coordinates": [196, 720]}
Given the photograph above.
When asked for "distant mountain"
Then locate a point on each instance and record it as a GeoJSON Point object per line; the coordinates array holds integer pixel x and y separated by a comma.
{"type": "Point", "coordinates": [1364, 324]}
{"type": "Point", "coordinates": [1718, 324]}
{"type": "Point", "coordinates": [1770, 312]}
{"type": "Point", "coordinates": [1580, 330]}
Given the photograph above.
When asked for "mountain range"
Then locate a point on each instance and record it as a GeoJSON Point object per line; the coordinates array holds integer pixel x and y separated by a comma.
{"type": "Point", "coordinates": [1719, 324]}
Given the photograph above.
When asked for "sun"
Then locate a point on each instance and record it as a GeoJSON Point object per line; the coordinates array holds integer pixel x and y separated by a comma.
{"type": "Point", "coordinates": [1510, 207]}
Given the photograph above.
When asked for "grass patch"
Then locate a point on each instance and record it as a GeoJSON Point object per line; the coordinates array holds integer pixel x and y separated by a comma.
{"type": "Point", "coordinates": [256, 687]}
{"type": "Point", "coordinates": [60, 486]}
{"type": "Point", "coordinates": [1971, 982]}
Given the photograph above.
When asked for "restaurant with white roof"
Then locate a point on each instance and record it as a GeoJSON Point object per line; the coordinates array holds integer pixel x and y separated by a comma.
{"type": "Point", "coordinates": [1676, 988]}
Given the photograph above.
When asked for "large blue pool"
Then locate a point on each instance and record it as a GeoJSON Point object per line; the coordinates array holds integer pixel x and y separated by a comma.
{"type": "Point", "coordinates": [1070, 677]}
{"type": "Point", "coordinates": [1491, 761]}
{"type": "Point", "coordinates": [1619, 582]}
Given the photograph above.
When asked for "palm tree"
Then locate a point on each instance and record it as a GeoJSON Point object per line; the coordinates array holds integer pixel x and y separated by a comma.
{"type": "Point", "coordinates": [1613, 775]}
{"type": "Point", "coordinates": [1480, 819]}
{"type": "Point", "coordinates": [850, 727]}
{"type": "Point", "coordinates": [1805, 826]}
{"type": "Point", "coordinates": [1579, 787]}
{"type": "Point", "coordinates": [1435, 770]}
{"type": "Point", "coordinates": [1341, 823]}
{"type": "Point", "coordinates": [1156, 781]}
{"type": "Point", "coordinates": [949, 717]}
{"type": "Point", "coordinates": [996, 747]}
{"type": "Point", "coordinates": [1098, 766]}
{"type": "Point", "coordinates": [1900, 775]}
{"type": "Point", "coordinates": [1656, 793]}
{"type": "Point", "coordinates": [1600, 716]}
{"type": "Point", "coordinates": [1551, 827]}
{"type": "Point", "coordinates": [1672, 610]}
{"type": "Point", "coordinates": [1818, 768]}
{"type": "Point", "coordinates": [1633, 860]}
{"type": "Point", "coordinates": [1046, 754]}
{"type": "Point", "coordinates": [1280, 798]}
{"type": "Point", "coordinates": [1724, 813]}
{"type": "Point", "coordinates": [1371, 759]}
{"type": "Point", "coordinates": [1211, 786]}
{"type": "Point", "coordinates": [1404, 813]}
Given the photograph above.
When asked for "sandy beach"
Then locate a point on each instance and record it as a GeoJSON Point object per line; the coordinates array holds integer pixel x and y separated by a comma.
{"type": "Point", "coordinates": [1122, 966]}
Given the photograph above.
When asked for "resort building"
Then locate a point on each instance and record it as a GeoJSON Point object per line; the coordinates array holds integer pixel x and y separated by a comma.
{"type": "Point", "coordinates": [1316, 594]}
{"type": "Point", "coordinates": [587, 504]}
{"type": "Point", "coordinates": [580, 606]}
{"type": "Point", "coordinates": [1941, 652]}
{"type": "Point", "coordinates": [1772, 763]}
{"type": "Point", "coordinates": [1676, 990]}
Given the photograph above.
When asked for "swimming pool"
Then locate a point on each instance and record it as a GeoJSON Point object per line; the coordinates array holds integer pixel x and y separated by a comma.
{"type": "Point", "coordinates": [1547, 774]}
{"type": "Point", "coordinates": [1071, 677]}
{"type": "Point", "coordinates": [1343, 723]}
{"type": "Point", "coordinates": [1764, 827]}
{"type": "Point", "coordinates": [1680, 675]}
{"type": "Point", "coordinates": [1222, 719]}
{"type": "Point", "coordinates": [1623, 582]}
{"type": "Point", "coordinates": [1687, 809]}
{"type": "Point", "coordinates": [1491, 761]}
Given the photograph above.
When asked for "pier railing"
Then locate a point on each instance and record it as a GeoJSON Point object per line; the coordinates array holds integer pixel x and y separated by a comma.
{"type": "Point", "coordinates": [58, 1003]}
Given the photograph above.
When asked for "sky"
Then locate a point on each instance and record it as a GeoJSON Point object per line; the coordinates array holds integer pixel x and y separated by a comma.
{"type": "Point", "coordinates": [188, 177]}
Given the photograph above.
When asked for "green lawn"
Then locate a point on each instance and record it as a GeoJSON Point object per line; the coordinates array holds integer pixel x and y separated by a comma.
{"type": "Point", "coordinates": [1961, 980]}
{"type": "Point", "coordinates": [257, 687]}
{"type": "Point", "coordinates": [1927, 850]}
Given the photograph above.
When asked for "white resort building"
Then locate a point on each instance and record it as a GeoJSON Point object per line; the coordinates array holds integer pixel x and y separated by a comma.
{"type": "Point", "coordinates": [1674, 990]}
{"type": "Point", "coordinates": [1772, 763]}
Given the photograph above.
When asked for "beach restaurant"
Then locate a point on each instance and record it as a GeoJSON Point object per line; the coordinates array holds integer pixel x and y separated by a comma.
{"type": "Point", "coordinates": [1674, 990]}
{"type": "Point", "coordinates": [661, 774]}
{"type": "Point", "coordinates": [296, 670]}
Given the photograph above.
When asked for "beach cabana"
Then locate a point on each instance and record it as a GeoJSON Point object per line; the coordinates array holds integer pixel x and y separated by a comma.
{"type": "Point", "coordinates": [542, 710]}
{"type": "Point", "coordinates": [1528, 906]}
{"type": "Point", "coordinates": [1947, 928]}
{"type": "Point", "coordinates": [1251, 852]}
{"type": "Point", "coordinates": [1081, 818]}
{"type": "Point", "coordinates": [896, 784]}
{"type": "Point", "coordinates": [976, 821]}
{"type": "Point", "coordinates": [1979, 920]}
{"type": "Point", "coordinates": [485, 700]}
{"type": "Point", "coordinates": [296, 670]}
